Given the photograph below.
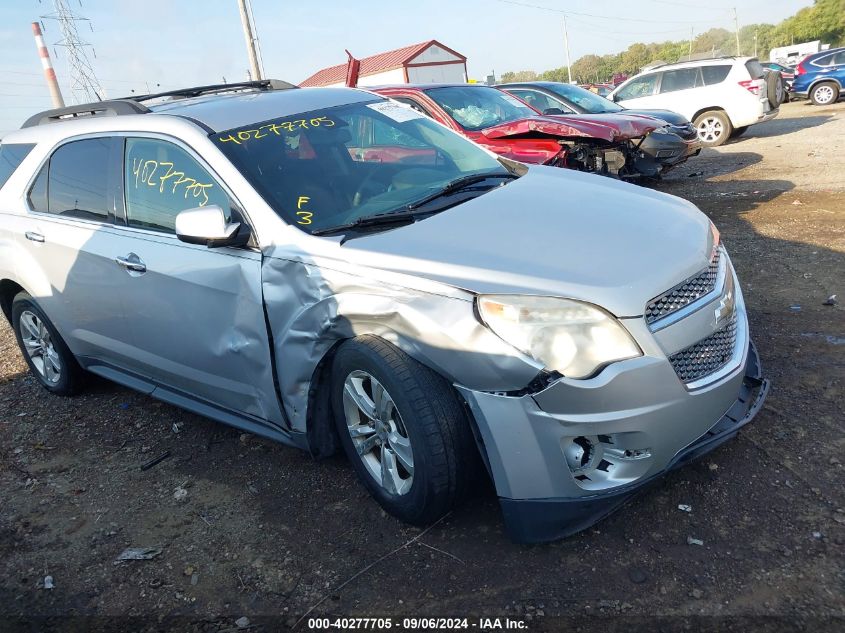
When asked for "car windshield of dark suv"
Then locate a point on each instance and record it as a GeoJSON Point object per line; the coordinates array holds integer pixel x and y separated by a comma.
{"type": "Point", "coordinates": [584, 99]}
{"type": "Point", "coordinates": [359, 164]}
{"type": "Point", "coordinates": [477, 108]}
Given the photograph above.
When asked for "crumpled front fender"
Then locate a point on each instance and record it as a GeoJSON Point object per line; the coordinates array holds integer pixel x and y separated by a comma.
{"type": "Point", "coordinates": [310, 308]}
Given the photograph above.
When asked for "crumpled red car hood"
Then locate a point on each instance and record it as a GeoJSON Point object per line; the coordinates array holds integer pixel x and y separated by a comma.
{"type": "Point", "coordinates": [609, 127]}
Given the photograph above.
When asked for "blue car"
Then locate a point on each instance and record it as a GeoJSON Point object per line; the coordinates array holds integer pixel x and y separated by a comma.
{"type": "Point", "coordinates": [821, 77]}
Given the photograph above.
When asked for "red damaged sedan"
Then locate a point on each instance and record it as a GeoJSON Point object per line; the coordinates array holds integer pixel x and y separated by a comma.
{"type": "Point", "coordinates": [607, 144]}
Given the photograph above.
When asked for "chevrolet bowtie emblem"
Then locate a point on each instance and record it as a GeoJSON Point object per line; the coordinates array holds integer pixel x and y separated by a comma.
{"type": "Point", "coordinates": [725, 308]}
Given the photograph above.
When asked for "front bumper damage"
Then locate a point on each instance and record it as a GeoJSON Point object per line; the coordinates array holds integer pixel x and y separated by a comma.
{"type": "Point", "coordinates": [661, 151]}
{"type": "Point", "coordinates": [540, 499]}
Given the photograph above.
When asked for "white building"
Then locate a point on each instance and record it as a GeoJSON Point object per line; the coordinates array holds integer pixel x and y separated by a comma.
{"type": "Point", "coordinates": [426, 63]}
{"type": "Point", "coordinates": [790, 55]}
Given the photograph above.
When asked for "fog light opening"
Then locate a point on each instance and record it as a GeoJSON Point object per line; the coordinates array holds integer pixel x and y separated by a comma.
{"type": "Point", "coordinates": [579, 453]}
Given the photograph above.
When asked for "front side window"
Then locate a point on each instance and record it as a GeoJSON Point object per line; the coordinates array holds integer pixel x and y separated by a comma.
{"type": "Point", "coordinates": [639, 87]}
{"type": "Point", "coordinates": [77, 182]}
{"type": "Point", "coordinates": [161, 179]}
{"type": "Point", "coordinates": [838, 59]}
{"type": "Point", "coordinates": [11, 156]}
{"type": "Point", "coordinates": [590, 102]}
{"type": "Point", "coordinates": [325, 168]}
{"type": "Point", "coordinates": [476, 108]}
{"type": "Point", "coordinates": [715, 74]}
{"type": "Point", "coordinates": [681, 79]}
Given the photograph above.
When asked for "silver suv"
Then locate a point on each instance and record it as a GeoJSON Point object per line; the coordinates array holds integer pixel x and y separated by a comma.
{"type": "Point", "coordinates": [329, 268]}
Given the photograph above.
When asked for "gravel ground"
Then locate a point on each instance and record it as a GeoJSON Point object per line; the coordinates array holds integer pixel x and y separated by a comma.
{"type": "Point", "coordinates": [265, 531]}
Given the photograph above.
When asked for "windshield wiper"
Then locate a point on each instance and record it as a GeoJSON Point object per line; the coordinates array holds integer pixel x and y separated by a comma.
{"type": "Point", "coordinates": [409, 213]}
{"type": "Point", "coordinates": [394, 217]}
{"type": "Point", "coordinates": [457, 185]}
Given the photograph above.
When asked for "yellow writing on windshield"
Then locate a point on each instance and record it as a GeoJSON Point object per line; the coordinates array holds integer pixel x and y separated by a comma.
{"type": "Point", "coordinates": [155, 173]}
{"type": "Point", "coordinates": [279, 128]}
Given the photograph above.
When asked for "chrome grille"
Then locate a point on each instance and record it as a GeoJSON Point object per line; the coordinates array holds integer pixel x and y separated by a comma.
{"type": "Point", "coordinates": [706, 356]}
{"type": "Point", "coordinates": [684, 293]}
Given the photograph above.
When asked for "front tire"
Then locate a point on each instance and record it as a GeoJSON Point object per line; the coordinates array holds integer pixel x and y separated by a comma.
{"type": "Point", "coordinates": [47, 355]}
{"type": "Point", "coordinates": [824, 93]}
{"type": "Point", "coordinates": [403, 428]}
{"type": "Point", "coordinates": [714, 128]}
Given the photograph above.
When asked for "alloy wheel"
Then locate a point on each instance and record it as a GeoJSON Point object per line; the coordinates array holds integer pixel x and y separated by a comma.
{"type": "Point", "coordinates": [378, 433]}
{"type": "Point", "coordinates": [823, 95]}
{"type": "Point", "coordinates": [710, 130]}
{"type": "Point", "coordinates": [39, 346]}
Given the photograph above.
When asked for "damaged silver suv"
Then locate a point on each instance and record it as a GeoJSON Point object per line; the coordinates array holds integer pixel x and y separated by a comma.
{"type": "Point", "coordinates": [328, 268]}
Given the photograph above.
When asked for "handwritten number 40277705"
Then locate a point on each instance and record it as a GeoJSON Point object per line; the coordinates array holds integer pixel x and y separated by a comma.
{"type": "Point", "coordinates": [277, 129]}
{"type": "Point", "coordinates": [154, 173]}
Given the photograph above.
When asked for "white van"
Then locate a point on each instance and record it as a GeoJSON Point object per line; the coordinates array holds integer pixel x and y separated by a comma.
{"type": "Point", "coordinates": [722, 96]}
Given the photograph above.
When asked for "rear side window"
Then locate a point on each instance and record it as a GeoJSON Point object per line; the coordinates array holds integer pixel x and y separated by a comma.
{"type": "Point", "coordinates": [11, 156]}
{"type": "Point", "coordinates": [681, 79]}
{"type": "Point", "coordinates": [161, 180]}
{"type": "Point", "coordinates": [755, 68]}
{"type": "Point", "coordinates": [77, 184]}
{"type": "Point", "coordinates": [715, 74]}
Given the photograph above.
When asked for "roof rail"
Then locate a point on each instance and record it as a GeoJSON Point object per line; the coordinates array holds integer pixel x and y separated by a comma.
{"type": "Point", "coordinates": [115, 107]}
{"type": "Point", "coordinates": [185, 93]}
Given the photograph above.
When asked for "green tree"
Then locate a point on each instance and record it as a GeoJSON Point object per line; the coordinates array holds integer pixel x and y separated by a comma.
{"type": "Point", "coordinates": [520, 75]}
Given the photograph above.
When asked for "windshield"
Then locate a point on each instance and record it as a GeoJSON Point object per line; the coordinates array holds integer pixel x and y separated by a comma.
{"type": "Point", "coordinates": [477, 108]}
{"type": "Point", "coordinates": [331, 167]}
{"type": "Point", "coordinates": [584, 99]}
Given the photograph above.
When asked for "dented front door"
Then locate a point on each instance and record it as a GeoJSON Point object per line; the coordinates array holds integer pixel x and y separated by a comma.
{"type": "Point", "coordinates": [197, 321]}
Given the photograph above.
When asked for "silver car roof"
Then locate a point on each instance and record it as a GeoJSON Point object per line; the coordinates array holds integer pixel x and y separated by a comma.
{"type": "Point", "coordinates": [214, 112]}
{"type": "Point", "coordinates": [234, 110]}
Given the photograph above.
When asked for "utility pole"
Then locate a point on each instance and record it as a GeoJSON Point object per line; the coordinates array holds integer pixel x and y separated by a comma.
{"type": "Point", "coordinates": [84, 84]}
{"type": "Point", "coordinates": [755, 42]}
{"type": "Point", "coordinates": [49, 73]}
{"type": "Point", "coordinates": [566, 42]}
{"type": "Point", "coordinates": [691, 30]}
{"type": "Point", "coordinates": [736, 30]}
{"type": "Point", "coordinates": [251, 40]}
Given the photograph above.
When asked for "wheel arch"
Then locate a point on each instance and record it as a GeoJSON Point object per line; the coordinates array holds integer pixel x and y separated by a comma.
{"type": "Point", "coordinates": [8, 291]}
{"type": "Point", "coordinates": [710, 109]}
{"type": "Point", "coordinates": [825, 80]}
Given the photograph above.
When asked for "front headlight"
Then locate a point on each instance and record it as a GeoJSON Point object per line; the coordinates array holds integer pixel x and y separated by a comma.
{"type": "Point", "coordinates": [573, 338]}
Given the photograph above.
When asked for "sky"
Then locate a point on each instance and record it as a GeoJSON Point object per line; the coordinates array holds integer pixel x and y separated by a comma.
{"type": "Point", "coordinates": [154, 45]}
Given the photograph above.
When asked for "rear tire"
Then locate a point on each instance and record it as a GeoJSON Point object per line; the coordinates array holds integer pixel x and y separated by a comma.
{"type": "Point", "coordinates": [739, 131]}
{"type": "Point", "coordinates": [43, 349]}
{"type": "Point", "coordinates": [824, 93]}
{"type": "Point", "coordinates": [414, 451]}
{"type": "Point", "coordinates": [714, 128]}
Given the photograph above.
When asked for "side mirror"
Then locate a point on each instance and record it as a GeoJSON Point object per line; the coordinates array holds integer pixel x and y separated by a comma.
{"type": "Point", "coordinates": [207, 226]}
{"type": "Point", "coordinates": [553, 111]}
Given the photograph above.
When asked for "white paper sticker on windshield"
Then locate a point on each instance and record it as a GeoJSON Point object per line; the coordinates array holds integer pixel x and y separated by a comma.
{"type": "Point", "coordinates": [396, 111]}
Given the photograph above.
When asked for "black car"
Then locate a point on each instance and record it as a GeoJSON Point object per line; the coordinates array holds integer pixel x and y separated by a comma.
{"type": "Point", "coordinates": [559, 98]}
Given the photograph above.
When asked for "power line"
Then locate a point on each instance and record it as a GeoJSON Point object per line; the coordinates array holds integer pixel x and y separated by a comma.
{"type": "Point", "coordinates": [601, 17]}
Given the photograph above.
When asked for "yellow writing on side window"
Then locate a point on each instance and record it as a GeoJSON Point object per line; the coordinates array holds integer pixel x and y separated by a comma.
{"type": "Point", "coordinates": [276, 129]}
{"type": "Point", "coordinates": [155, 173]}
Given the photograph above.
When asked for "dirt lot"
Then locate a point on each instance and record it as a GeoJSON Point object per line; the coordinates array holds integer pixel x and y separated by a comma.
{"type": "Point", "coordinates": [266, 531]}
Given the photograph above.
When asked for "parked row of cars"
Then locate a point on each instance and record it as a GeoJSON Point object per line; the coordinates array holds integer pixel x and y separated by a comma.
{"type": "Point", "coordinates": [337, 271]}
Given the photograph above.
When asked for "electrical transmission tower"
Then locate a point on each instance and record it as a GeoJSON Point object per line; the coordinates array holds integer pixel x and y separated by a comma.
{"type": "Point", "coordinates": [84, 84]}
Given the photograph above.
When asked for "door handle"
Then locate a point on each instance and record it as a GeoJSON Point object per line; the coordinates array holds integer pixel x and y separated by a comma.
{"type": "Point", "coordinates": [131, 263]}
{"type": "Point", "coordinates": [34, 237]}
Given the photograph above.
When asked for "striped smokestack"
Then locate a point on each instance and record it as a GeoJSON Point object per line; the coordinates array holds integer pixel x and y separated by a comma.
{"type": "Point", "coordinates": [49, 73]}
